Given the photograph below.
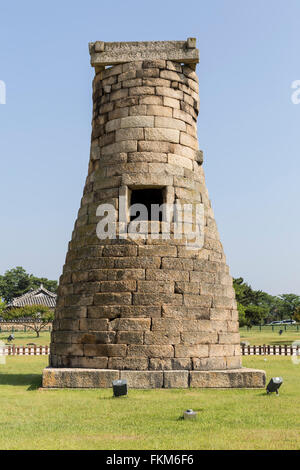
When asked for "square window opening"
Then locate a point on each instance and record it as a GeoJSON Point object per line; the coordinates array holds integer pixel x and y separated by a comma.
{"type": "Point", "coordinates": [148, 198]}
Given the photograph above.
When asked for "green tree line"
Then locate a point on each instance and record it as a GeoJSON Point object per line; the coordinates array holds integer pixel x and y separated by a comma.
{"type": "Point", "coordinates": [16, 282]}
{"type": "Point", "coordinates": [257, 307]}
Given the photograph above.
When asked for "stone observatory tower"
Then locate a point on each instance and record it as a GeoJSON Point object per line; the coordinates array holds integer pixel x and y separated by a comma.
{"type": "Point", "coordinates": [145, 293]}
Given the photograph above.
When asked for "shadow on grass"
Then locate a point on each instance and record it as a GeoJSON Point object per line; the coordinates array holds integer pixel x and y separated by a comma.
{"type": "Point", "coordinates": [33, 381]}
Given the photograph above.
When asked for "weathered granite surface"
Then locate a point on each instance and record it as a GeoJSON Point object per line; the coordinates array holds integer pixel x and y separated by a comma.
{"type": "Point", "coordinates": [112, 53]}
{"type": "Point", "coordinates": [97, 378]}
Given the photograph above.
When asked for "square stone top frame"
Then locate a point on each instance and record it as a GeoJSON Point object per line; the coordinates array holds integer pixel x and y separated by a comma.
{"type": "Point", "coordinates": [112, 53]}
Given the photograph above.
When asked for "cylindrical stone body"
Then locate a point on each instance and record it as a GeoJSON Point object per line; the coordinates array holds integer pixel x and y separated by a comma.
{"type": "Point", "coordinates": [153, 302]}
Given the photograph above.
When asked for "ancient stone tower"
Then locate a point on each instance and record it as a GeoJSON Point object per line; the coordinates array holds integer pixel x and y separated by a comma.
{"type": "Point", "coordinates": [158, 310]}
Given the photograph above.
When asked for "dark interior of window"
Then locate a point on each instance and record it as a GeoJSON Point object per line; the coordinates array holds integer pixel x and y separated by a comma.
{"type": "Point", "coordinates": [147, 197]}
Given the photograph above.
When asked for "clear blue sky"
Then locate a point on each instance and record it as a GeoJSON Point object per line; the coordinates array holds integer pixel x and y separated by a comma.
{"type": "Point", "coordinates": [247, 127]}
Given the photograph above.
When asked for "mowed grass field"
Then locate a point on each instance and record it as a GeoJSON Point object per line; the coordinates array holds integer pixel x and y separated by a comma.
{"type": "Point", "coordinates": [267, 336]}
{"type": "Point", "coordinates": [22, 338]}
{"type": "Point", "coordinates": [147, 419]}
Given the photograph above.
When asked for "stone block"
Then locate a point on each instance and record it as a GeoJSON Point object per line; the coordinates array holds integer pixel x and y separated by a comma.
{"type": "Point", "coordinates": [157, 110]}
{"type": "Point", "coordinates": [166, 275]}
{"type": "Point", "coordinates": [158, 134]}
{"type": "Point", "coordinates": [138, 263]}
{"type": "Point", "coordinates": [171, 102]}
{"type": "Point", "coordinates": [157, 299]}
{"type": "Point", "coordinates": [118, 286]}
{"type": "Point", "coordinates": [124, 274]}
{"type": "Point", "coordinates": [86, 362]}
{"type": "Point", "coordinates": [138, 110]}
{"type": "Point", "coordinates": [170, 123]}
{"type": "Point", "coordinates": [134, 133]}
{"type": "Point", "coordinates": [128, 363]}
{"type": "Point", "coordinates": [229, 338]}
{"type": "Point", "coordinates": [130, 337]}
{"type": "Point", "coordinates": [209, 363]}
{"type": "Point", "coordinates": [183, 116]}
{"type": "Point", "coordinates": [161, 338]}
{"type": "Point", "coordinates": [176, 379]}
{"type": "Point", "coordinates": [233, 362]}
{"type": "Point", "coordinates": [221, 350]}
{"type": "Point", "coordinates": [143, 379]}
{"type": "Point", "coordinates": [167, 325]}
{"type": "Point", "coordinates": [157, 82]}
{"type": "Point", "coordinates": [169, 92]}
{"type": "Point", "coordinates": [180, 161]}
{"type": "Point", "coordinates": [187, 287]}
{"type": "Point", "coordinates": [151, 351]}
{"type": "Point", "coordinates": [201, 300]}
{"type": "Point", "coordinates": [94, 337]}
{"type": "Point", "coordinates": [119, 147]}
{"type": "Point", "coordinates": [112, 299]}
{"type": "Point", "coordinates": [199, 337]}
{"type": "Point", "coordinates": [142, 90]}
{"type": "Point", "coordinates": [137, 121]}
{"type": "Point", "coordinates": [79, 378]}
{"type": "Point", "coordinates": [130, 324]}
{"type": "Point", "coordinates": [134, 82]}
{"type": "Point", "coordinates": [157, 250]}
{"type": "Point", "coordinates": [192, 350]}
{"type": "Point", "coordinates": [68, 349]}
{"type": "Point", "coordinates": [155, 286]}
{"type": "Point", "coordinates": [238, 378]}
{"type": "Point", "coordinates": [91, 324]}
{"type": "Point", "coordinates": [177, 264]}
{"type": "Point", "coordinates": [107, 350]}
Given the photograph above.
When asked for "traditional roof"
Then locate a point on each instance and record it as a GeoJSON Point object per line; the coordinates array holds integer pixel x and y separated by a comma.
{"type": "Point", "coordinates": [40, 296]}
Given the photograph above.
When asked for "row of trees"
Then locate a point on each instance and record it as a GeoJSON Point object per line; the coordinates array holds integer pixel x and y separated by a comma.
{"type": "Point", "coordinates": [257, 307]}
{"type": "Point", "coordinates": [17, 282]}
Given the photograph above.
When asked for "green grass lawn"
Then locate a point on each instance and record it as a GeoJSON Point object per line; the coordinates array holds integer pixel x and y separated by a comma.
{"type": "Point", "coordinates": [22, 338]}
{"type": "Point", "coordinates": [147, 419]}
{"type": "Point", "coordinates": [267, 336]}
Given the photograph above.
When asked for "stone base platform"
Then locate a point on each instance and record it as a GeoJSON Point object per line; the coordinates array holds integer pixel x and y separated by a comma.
{"type": "Point", "coordinates": [102, 378]}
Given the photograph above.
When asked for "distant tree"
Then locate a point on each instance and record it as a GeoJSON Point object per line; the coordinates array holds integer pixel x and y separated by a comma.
{"type": "Point", "coordinates": [288, 306]}
{"type": "Point", "coordinates": [296, 315]}
{"type": "Point", "coordinates": [38, 315]}
{"type": "Point", "coordinates": [2, 307]}
{"type": "Point", "coordinates": [17, 281]}
{"type": "Point", "coordinates": [255, 314]}
{"type": "Point", "coordinates": [242, 314]}
{"type": "Point", "coordinates": [258, 305]}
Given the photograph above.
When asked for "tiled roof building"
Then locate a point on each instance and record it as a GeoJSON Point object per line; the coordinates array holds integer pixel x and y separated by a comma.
{"type": "Point", "coordinates": [40, 296]}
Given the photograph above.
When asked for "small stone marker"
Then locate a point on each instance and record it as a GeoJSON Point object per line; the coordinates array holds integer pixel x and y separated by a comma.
{"type": "Point", "coordinates": [189, 414]}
